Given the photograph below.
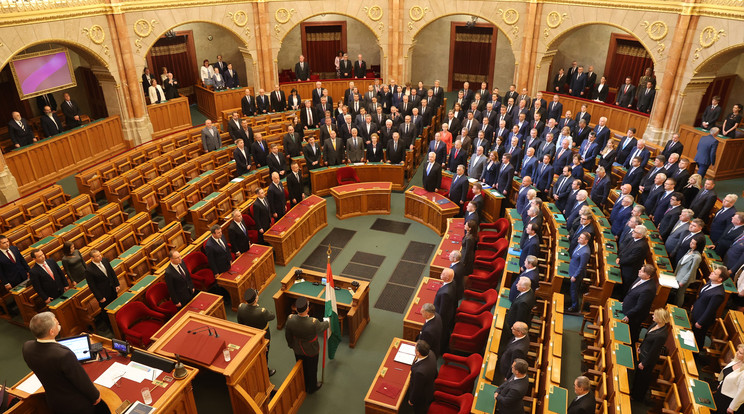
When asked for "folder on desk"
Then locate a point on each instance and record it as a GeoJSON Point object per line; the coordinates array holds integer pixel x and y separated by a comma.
{"type": "Point", "coordinates": [387, 389]}
{"type": "Point", "coordinates": [406, 354]}
{"type": "Point", "coordinates": [200, 347]}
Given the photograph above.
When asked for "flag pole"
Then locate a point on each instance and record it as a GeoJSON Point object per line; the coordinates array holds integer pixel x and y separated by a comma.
{"type": "Point", "coordinates": [325, 332]}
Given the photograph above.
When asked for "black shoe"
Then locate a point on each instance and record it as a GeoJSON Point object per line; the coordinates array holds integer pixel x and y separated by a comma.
{"type": "Point", "coordinates": [571, 310]}
{"type": "Point", "coordinates": [316, 388]}
{"type": "Point", "coordinates": [272, 372]}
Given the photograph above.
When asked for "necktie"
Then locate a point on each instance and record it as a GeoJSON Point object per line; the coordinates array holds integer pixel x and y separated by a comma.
{"type": "Point", "coordinates": [470, 122]}
{"type": "Point", "coordinates": [560, 185]}
{"type": "Point", "coordinates": [48, 270]}
{"type": "Point", "coordinates": [180, 270]}
{"type": "Point", "coordinates": [428, 169]}
{"type": "Point", "coordinates": [406, 128]}
{"type": "Point", "coordinates": [20, 124]}
{"type": "Point", "coordinates": [720, 211]}
{"type": "Point", "coordinates": [708, 286]}
{"type": "Point", "coordinates": [297, 176]}
{"type": "Point", "coordinates": [220, 243]}
{"type": "Point", "coordinates": [576, 250]}
{"type": "Point", "coordinates": [309, 116]}
{"type": "Point", "coordinates": [626, 88]}
{"type": "Point", "coordinates": [636, 284]}
{"type": "Point", "coordinates": [51, 116]}
{"type": "Point", "coordinates": [333, 142]}
{"type": "Point", "coordinates": [395, 146]}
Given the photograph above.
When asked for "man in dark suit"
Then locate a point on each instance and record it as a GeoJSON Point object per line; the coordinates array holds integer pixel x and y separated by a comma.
{"type": "Point", "coordinates": [311, 151]}
{"type": "Point", "coordinates": [722, 218]}
{"type": "Point", "coordinates": [432, 177]}
{"type": "Point", "coordinates": [360, 68]}
{"type": "Point", "coordinates": [217, 251]}
{"type": "Point", "coordinates": [544, 176]}
{"type": "Point", "coordinates": [47, 99]}
{"type": "Point", "coordinates": [302, 70]}
{"type": "Point", "coordinates": [263, 104]}
{"type": "Point", "coordinates": [20, 132]}
{"type": "Point", "coordinates": [471, 214]}
{"type": "Point", "coordinates": [600, 188]}
{"type": "Point", "coordinates": [577, 269]}
{"type": "Point", "coordinates": [521, 307]}
{"type": "Point", "coordinates": [259, 151]}
{"type": "Point", "coordinates": [277, 161]}
{"type": "Point", "coordinates": [458, 267]}
{"type": "Point", "coordinates": [555, 108]}
{"type": "Point", "coordinates": [71, 111]}
{"type": "Point", "coordinates": [277, 200]}
{"type": "Point", "coordinates": [292, 142]}
{"type": "Point", "coordinates": [734, 230]}
{"type": "Point", "coordinates": [584, 402]}
{"type": "Point", "coordinates": [510, 394]}
{"type": "Point", "coordinates": [705, 156]}
{"type": "Point", "coordinates": [327, 127]}
{"type": "Point", "coordinates": [588, 151]}
{"type": "Point", "coordinates": [704, 200]}
{"type": "Point", "coordinates": [231, 77]}
{"type": "Point", "coordinates": [238, 234]}
{"type": "Point", "coordinates": [562, 188]}
{"type": "Point", "coordinates": [585, 226]}
{"type": "Point", "coordinates": [101, 279]}
{"type": "Point", "coordinates": [673, 146]}
{"type": "Point", "coordinates": [445, 303]}
{"type": "Point", "coordinates": [47, 278]}
{"type": "Point", "coordinates": [703, 311]}
{"type": "Point", "coordinates": [640, 151]}
{"type": "Point", "coordinates": [67, 387]}
{"type": "Point", "coordinates": [333, 150]}
{"type": "Point", "coordinates": [458, 187]}
{"type": "Point", "coordinates": [50, 122]}
{"type": "Point", "coordinates": [574, 211]}
{"type": "Point", "coordinates": [515, 348]}
{"type": "Point", "coordinates": [295, 186]}
{"type": "Point", "coordinates": [242, 158]}
{"type": "Point", "coordinates": [439, 149]}
{"type": "Point", "coordinates": [248, 104]}
{"type": "Point", "coordinates": [457, 156]}
{"type": "Point", "coordinates": [278, 100]}
{"type": "Point", "coordinates": [235, 127]}
{"type": "Point", "coordinates": [634, 176]}
{"type": "Point", "coordinates": [317, 92]}
{"type": "Point", "coordinates": [423, 374]}
{"type": "Point", "coordinates": [261, 214]}
{"type": "Point", "coordinates": [711, 114]}
{"type": "Point", "coordinates": [625, 94]}
{"type": "Point", "coordinates": [431, 331]}
{"type": "Point", "coordinates": [638, 299]}
{"type": "Point", "coordinates": [670, 216]}
{"type": "Point", "coordinates": [178, 280]}
{"type": "Point", "coordinates": [633, 257]}
{"type": "Point", "coordinates": [396, 151]}
{"type": "Point", "coordinates": [577, 83]}
{"type": "Point", "coordinates": [505, 175]}
{"type": "Point", "coordinates": [646, 98]}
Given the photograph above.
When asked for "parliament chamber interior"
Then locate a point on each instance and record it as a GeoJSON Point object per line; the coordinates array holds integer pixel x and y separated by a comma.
{"type": "Point", "coordinates": [198, 196]}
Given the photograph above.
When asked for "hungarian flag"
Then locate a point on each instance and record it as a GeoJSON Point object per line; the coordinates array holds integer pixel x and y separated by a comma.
{"type": "Point", "coordinates": [331, 312]}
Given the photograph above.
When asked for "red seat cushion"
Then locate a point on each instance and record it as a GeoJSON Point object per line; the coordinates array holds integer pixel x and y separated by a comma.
{"type": "Point", "coordinates": [147, 328]}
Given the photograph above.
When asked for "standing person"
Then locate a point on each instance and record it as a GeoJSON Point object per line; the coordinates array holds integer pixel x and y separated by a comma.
{"type": "Point", "coordinates": [584, 403]}
{"type": "Point", "coordinates": [67, 387]}
{"type": "Point", "coordinates": [431, 331]}
{"type": "Point", "coordinates": [648, 353]}
{"type": "Point", "coordinates": [510, 394]}
{"type": "Point", "coordinates": [301, 332]}
{"type": "Point", "coordinates": [261, 214]}
{"type": "Point", "coordinates": [210, 137]}
{"type": "Point", "coordinates": [432, 177]}
{"type": "Point", "coordinates": [729, 395]}
{"type": "Point", "coordinates": [302, 70]}
{"type": "Point", "coordinates": [423, 374]}
{"type": "Point", "coordinates": [731, 122]}
{"type": "Point", "coordinates": [178, 280]}
{"type": "Point", "coordinates": [687, 267]}
{"type": "Point", "coordinates": [238, 234]}
{"type": "Point", "coordinates": [250, 313]}
{"type": "Point", "coordinates": [295, 185]}
{"type": "Point", "coordinates": [445, 303]}
{"type": "Point", "coordinates": [637, 302]}
{"type": "Point", "coordinates": [46, 277]}
{"type": "Point", "coordinates": [277, 200]}
{"type": "Point", "coordinates": [102, 281]}
{"type": "Point", "coordinates": [71, 110]}
{"type": "Point", "coordinates": [577, 269]}
{"type": "Point", "coordinates": [703, 311]}
{"type": "Point", "coordinates": [633, 257]}
{"type": "Point", "coordinates": [705, 156]}
{"type": "Point", "coordinates": [217, 251]}
{"type": "Point", "coordinates": [73, 262]}
{"type": "Point", "coordinates": [517, 347]}
{"type": "Point", "coordinates": [20, 132]}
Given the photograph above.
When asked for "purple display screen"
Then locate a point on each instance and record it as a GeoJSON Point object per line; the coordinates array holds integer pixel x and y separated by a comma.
{"type": "Point", "coordinates": [40, 73]}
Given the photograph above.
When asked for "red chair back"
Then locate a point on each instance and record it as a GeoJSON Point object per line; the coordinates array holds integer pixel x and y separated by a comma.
{"type": "Point", "coordinates": [346, 175]}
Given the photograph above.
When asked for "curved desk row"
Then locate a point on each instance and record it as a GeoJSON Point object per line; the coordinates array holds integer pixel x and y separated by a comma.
{"type": "Point", "coordinates": [324, 178]}
{"type": "Point", "coordinates": [429, 208]}
{"type": "Point", "coordinates": [361, 199]}
{"type": "Point", "coordinates": [292, 232]}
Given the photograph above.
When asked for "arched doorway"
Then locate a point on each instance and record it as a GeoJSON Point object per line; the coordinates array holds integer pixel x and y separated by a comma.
{"type": "Point", "coordinates": [319, 38]}
{"type": "Point", "coordinates": [182, 49]}
{"type": "Point", "coordinates": [433, 55]}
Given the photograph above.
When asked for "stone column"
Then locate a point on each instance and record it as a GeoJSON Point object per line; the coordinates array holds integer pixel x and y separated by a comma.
{"type": "Point", "coordinates": [8, 184]}
{"type": "Point", "coordinates": [542, 77]}
{"type": "Point", "coordinates": [689, 101]}
{"type": "Point", "coordinates": [115, 104]}
{"type": "Point", "coordinates": [394, 62]}
{"type": "Point", "coordinates": [267, 74]}
{"type": "Point", "coordinates": [250, 67]}
{"type": "Point", "coordinates": [526, 68]}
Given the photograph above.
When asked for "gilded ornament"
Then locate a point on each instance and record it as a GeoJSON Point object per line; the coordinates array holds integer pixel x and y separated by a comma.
{"type": "Point", "coordinates": [240, 18]}
{"type": "Point", "coordinates": [417, 13]}
{"type": "Point", "coordinates": [708, 37]}
{"type": "Point", "coordinates": [510, 16]}
{"type": "Point", "coordinates": [374, 13]}
{"type": "Point", "coordinates": [554, 19]}
{"type": "Point", "coordinates": [143, 28]}
{"type": "Point", "coordinates": [95, 34]}
{"type": "Point", "coordinates": [656, 30]}
{"type": "Point", "coordinates": [283, 15]}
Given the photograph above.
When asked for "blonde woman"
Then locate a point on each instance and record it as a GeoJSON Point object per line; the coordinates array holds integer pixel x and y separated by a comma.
{"type": "Point", "coordinates": [648, 354]}
{"type": "Point", "coordinates": [729, 395]}
{"type": "Point", "coordinates": [608, 155]}
{"type": "Point", "coordinates": [692, 188]}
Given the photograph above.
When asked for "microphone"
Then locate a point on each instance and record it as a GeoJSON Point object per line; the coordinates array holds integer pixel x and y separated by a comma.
{"type": "Point", "coordinates": [201, 329]}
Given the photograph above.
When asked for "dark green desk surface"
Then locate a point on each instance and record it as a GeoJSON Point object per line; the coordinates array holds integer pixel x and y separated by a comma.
{"type": "Point", "coordinates": [518, 226]}
{"type": "Point", "coordinates": [130, 251]}
{"type": "Point", "coordinates": [142, 283]}
{"type": "Point", "coordinates": [116, 262]}
{"type": "Point", "coordinates": [728, 286]}
{"type": "Point", "coordinates": [611, 258]}
{"type": "Point", "coordinates": [512, 265]}
{"type": "Point", "coordinates": [562, 270]}
{"type": "Point", "coordinates": [343, 296]}
{"type": "Point", "coordinates": [42, 242]}
{"type": "Point", "coordinates": [211, 196]}
{"type": "Point", "coordinates": [64, 229]}
{"type": "Point", "coordinates": [613, 273]}
{"type": "Point", "coordinates": [602, 221]}
{"type": "Point", "coordinates": [553, 208]}
{"type": "Point", "coordinates": [659, 249]}
{"type": "Point", "coordinates": [486, 403]}
{"type": "Point", "coordinates": [497, 194]}
{"type": "Point", "coordinates": [597, 212]}
{"type": "Point", "coordinates": [121, 300]}
{"type": "Point", "coordinates": [679, 316]}
{"type": "Point", "coordinates": [621, 332]}
{"type": "Point", "coordinates": [562, 255]}
{"type": "Point", "coordinates": [564, 243]}
{"type": "Point", "coordinates": [504, 301]}
{"type": "Point", "coordinates": [514, 214]}
{"type": "Point", "coordinates": [700, 391]}
{"type": "Point", "coordinates": [562, 232]}
{"type": "Point", "coordinates": [557, 400]}
{"type": "Point", "coordinates": [685, 346]}
{"type": "Point", "coordinates": [85, 218]}
{"type": "Point", "coordinates": [66, 296]}
{"type": "Point", "coordinates": [307, 288]}
{"type": "Point", "coordinates": [616, 310]}
{"type": "Point", "coordinates": [623, 355]}
{"type": "Point", "coordinates": [559, 218]}
{"type": "Point", "coordinates": [198, 205]}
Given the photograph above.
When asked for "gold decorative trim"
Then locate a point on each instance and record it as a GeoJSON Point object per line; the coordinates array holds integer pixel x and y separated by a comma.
{"type": "Point", "coordinates": [374, 13]}
{"type": "Point", "coordinates": [510, 16]}
{"type": "Point", "coordinates": [143, 28]}
{"type": "Point", "coordinates": [554, 19]}
{"type": "Point", "coordinates": [417, 13]}
{"type": "Point", "coordinates": [239, 18]}
{"type": "Point", "coordinates": [657, 31]}
{"type": "Point", "coordinates": [708, 37]}
{"type": "Point", "coordinates": [95, 34]}
{"type": "Point", "coordinates": [283, 15]}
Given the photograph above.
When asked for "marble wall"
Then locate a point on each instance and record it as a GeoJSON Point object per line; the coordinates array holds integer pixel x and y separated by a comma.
{"type": "Point", "coordinates": [587, 45]}
{"type": "Point", "coordinates": [223, 43]}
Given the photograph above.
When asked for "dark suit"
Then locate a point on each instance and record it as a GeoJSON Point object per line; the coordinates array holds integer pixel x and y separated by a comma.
{"type": "Point", "coordinates": [302, 73]}
{"type": "Point", "coordinates": [648, 355]}
{"type": "Point", "coordinates": [310, 122]}
{"type": "Point", "coordinates": [555, 109]}
{"type": "Point", "coordinates": [51, 127]}
{"type": "Point", "coordinates": [633, 257]}
{"type": "Point", "coordinates": [704, 310]}
{"type": "Point", "coordinates": [20, 135]}
{"type": "Point", "coordinates": [577, 271]}
{"type": "Point", "coordinates": [504, 180]}
{"type": "Point", "coordinates": [102, 285]}
{"type": "Point", "coordinates": [521, 308]}
{"type": "Point", "coordinates": [431, 332]}
{"type": "Point", "coordinates": [509, 400]}
{"type": "Point", "coordinates": [260, 152]}
{"type": "Point", "coordinates": [295, 187]}
{"type": "Point", "coordinates": [600, 191]}
{"type": "Point", "coordinates": [458, 189]}
{"type": "Point", "coordinates": [432, 177]}
{"type": "Point", "coordinates": [396, 154]}
{"type": "Point", "coordinates": [703, 203]}
{"type": "Point", "coordinates": [584, 405]}
{"type": "Point", "coordinates": [721, 221]}
{"type": "Point", "coordinates": [727, 239]}
{"type": "Point", "coordinates": [242, 162]}
{"type": "Point", "coordinates": [646, 100]}
{"type": "Point", "coordinates": [13, 273]}
{"type": "Point", "coordinates": [239, 240]}
{"type": "Point", "coordinates": [68, 388]}
{"type": "Point", "coordinates": [310, 156]}
{"type": "Point", "coordinates": [277, 200]}
{"type": "Point", "coordinates": [231, 79]}
{"type": "Point", "coordinates": [180, 286]}
{"type": "Point", "coordinates": [421, 389]}
{"type": "Point", "coordinates": [375, 155]}
{"type": "Point", "coordinates": [515, 348]}
{"type": "Point", "coordinates": [263, 104]}
{"type": "Point", "coordinates": [624, 151]}
{"type": "Point", "coordinates": [668, 220]}
{"type": "Point", "coordinates": [292, 144]}
{"type": "Point", "coordinates": [625, 95]}
{"type": "Point", "coordinates": [277, 163]}
{"type": "Point", "coordinates": [643, 154]}
{"type": "Point", "coordinates": [672, 147]}
{"type": "Point", "coordinates": [345, 68]}
{"type": "Point", "coordinates": [248, 105]}
{"type": "Point", "coordinates": [445, 303]}
{"type": "Point", "coordinates": [219, 257]}
{"type": "Point", "coordinates": [47, 99]}
{"type": "Point", "coordinates": [333, 156]}
{"type": "Point", "coordinates": [70, 109]}
{"type": "Point", "coordinates": [710, 115]}
{"type": "Point", "coordinates": [636, 305]}
{"type": "Point", "coordinates": [454, 160]}
{"type": "Point", "coordinates": [261, 216]}
{"type": "Point", "coordinates": [633, 177]}
{"type": "Point", "coordinates": [46, 286]}
{"type": "Point", "coordinates": [577, 83]}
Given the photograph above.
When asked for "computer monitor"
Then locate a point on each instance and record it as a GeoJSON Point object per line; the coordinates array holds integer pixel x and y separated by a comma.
{"type": "Point", "coordinates": [80, 346]}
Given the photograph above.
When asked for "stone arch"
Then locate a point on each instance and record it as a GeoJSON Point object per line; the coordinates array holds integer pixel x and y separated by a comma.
{"type": "Point", "coordinates": [87, 52]}
{"type": "Point", "coordinates": [564, 34]}
{"type": "Point", "coordinates": [152, 39]}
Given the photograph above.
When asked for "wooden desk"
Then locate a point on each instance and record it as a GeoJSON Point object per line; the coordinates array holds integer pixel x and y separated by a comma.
{"type": "Point", "coordinates": [729, 155]}
{"type": "Point", "coordinates": [252, 269]}
{"type": "Point", "coordinates": [170, 116]}
{"type": "Point", "coordinates": [451, 241]}
{"type": "Point", "coordinates": [493, 203]}
{"type": "Point", "coordinates": [392, 375]}
{"type": "Point", "coordinates": [246, 372]}
{"type": "Point", "coordinates": [618, 119]}
{"type": "Point", "coordinates": [362, 199]}
{"type": "Point", "coordinates": [176, 398]}
{"type": "Point", "coordinates": [556, 400]}
{"type": "Point", "coordinates": [70, 309]}
{"type": "Point", "coordinates": [204, 303]}
{"type": "Point", "coordinates": [324, 178]}
{"type": "Point", "coordinates": [414, 320]}
{"type": "Point", "coordinates": [292, 232]}
{"type": "Point", "coordinates": [353, 306]}
{"type": "Point", "coordinates": [429, 209]}
{"type": "Point", "coordinates": [212, 103]}
{"type": "Point", "coordinates": [336, 87]}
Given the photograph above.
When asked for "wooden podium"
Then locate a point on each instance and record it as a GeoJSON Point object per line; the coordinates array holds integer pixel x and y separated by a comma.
{"type": "Point", "coordinates": [246, 374]}
{"type": "Point", "coordinates": [252, 269]}
{"type": "Point", "coordinates": [429, 209]}
{"type": "Point", "coordinates": [360, 199]}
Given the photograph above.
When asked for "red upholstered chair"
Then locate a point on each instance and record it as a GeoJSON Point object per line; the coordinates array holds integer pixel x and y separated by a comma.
{"type": "Point", "coordinates": [450, 404]}
{"type": "Point", "coordinates": [314, 77]}
{"type": "Point", "coordinates": [486, 275]}
{"type": "Point", "coordinates": [500, 227]}
{"type": "Point", "coordinates": [346, 175]}
{"type": "Point", "coordinates": [159, 300]}
{"type": "Point", "coordinates": [490, 251]}
{"type": "Point", "coordinates": [475, 303]}
{"type": "Point", "coordinates": [138, 323]}
{"type": "Point", "coordinates": [445, 186]}
{"type": "Point", "coordinates": [458, 374]}
{"type": "Point", "coordinates": [470, 332]}
{"type": "Point", "coordinates": [250, 225]}
{"type": "Point", "coordinates": [198, 266]}
{"type": "Point", "coordinates": [489, 237]}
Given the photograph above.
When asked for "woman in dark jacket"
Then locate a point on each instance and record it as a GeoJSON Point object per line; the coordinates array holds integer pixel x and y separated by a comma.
{"type": "Point", "coordinates": [607, 156]}
{"type": "Point", "coordinates": [374, 149]}
{"type": "Point", "coordinates": [691, 189]}
{"type": "Point", "coordinates": [73, 262]}
{"type": "Point", "coordinates": [648, 354]}
{"type": "Point", "coordinates": [490, 172]}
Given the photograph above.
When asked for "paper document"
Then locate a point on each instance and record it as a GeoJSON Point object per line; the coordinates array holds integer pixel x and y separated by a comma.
{"type": "Point", "coordinates": [406, 354]}
{"type": "Point", "coordinates": [668, 281]}
{"type": "Point", "coordinates": [111, 375]}
{"type": "Point", "coordinates": [31, 385]}
{"type": "Point", "coordinates": [138, 372]}
{"type": "Point", "coordinates": [687, 337]}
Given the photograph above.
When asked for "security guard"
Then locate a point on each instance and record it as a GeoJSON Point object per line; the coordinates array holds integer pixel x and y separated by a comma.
{"type": "Point", "coordinates": [302, 336]}
{"type": "Point", "coordinates": [255, 316]}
